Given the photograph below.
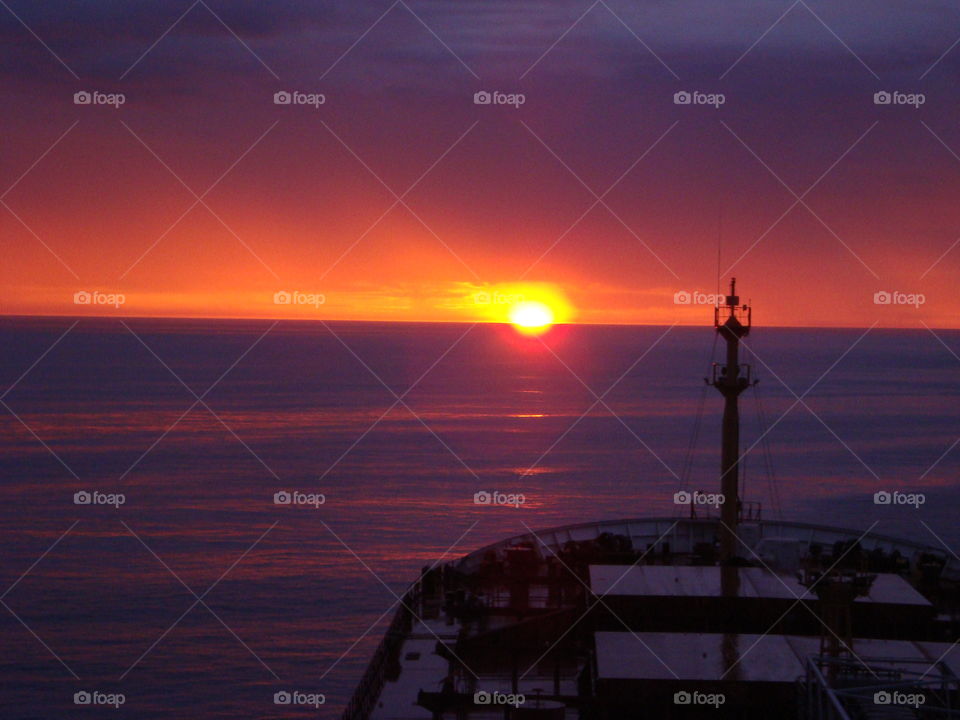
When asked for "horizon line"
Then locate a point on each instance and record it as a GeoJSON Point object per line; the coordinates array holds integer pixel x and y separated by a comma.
{"type": "Point", "coordinates": [243, 318]}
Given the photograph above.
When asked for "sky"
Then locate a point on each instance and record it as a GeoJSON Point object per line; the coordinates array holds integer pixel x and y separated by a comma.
{"type": "Point", "coordinates": [400, 198]}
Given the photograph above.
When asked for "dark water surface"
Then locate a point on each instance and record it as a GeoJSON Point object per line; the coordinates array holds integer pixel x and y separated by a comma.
{"type": "Point", "coordinates": [290, 589]}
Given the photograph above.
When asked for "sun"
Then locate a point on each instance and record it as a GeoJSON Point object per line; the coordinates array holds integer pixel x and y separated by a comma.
{"type": "Point", "coordinates": [531, 317]}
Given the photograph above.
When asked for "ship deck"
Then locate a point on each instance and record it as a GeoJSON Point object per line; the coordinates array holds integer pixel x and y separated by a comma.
{"type": "Point", "coordinates": [514, 617]}
{"type": "Point", "coordinates": [670, 581]}
{"type": "Point", "coordinates": [703, 658]}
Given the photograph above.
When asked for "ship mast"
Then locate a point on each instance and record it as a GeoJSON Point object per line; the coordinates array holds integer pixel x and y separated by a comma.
{"type": "Point", "coordinates": [732, 322]}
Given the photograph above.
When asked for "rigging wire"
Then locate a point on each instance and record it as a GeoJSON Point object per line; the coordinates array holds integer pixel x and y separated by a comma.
{"type": "Point", "coordinates": [686, 469]}
{"type": "Point", "coordinates": [694, 436]}
{"type": "Point", "coordinates": [741, 457]}
{"type": "Point", "coordinates": [768, 457]}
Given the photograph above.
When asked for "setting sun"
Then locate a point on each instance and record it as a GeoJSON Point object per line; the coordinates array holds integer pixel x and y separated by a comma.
{"type": "Point", "coordinates": [531, 318]}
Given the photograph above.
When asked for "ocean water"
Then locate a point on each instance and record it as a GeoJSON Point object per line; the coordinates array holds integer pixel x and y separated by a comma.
{"type": "Point", "coordinates": [198, 424]}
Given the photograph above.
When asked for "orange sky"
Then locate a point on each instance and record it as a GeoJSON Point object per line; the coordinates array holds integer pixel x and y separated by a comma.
{"type": "Point", "coordinates": [99, 213]}
{"type": "Point", "coordinates": [401, 199]}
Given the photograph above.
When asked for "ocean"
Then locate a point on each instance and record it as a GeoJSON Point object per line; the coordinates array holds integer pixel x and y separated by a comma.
{"type": "Point", "coordinates": [148, 550]}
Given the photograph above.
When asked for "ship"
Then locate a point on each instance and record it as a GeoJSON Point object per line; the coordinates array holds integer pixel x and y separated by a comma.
{"type": "Point", "coordinates": [715, 614]}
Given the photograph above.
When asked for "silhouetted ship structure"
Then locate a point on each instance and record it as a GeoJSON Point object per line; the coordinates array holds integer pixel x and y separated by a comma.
{"type": "Point", "coordinates": [715, 617]}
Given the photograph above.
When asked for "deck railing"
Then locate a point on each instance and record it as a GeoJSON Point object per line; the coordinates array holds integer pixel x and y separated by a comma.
{"type": "Point", "coordinates": [845, 688]}
{"type": "Point", "coordinates": [682, 533]}
{"type": "Point", "coordinates": [371, 684]}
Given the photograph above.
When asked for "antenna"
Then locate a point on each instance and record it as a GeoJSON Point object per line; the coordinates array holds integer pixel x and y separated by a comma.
{"type": "Point", "coordinates": [719, 244]}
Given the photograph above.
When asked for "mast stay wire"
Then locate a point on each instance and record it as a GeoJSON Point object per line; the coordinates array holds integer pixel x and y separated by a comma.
{"type": "Point", "coordinates": [773, 487]}
{"type": "Point", "coordinates": [686, 469]}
